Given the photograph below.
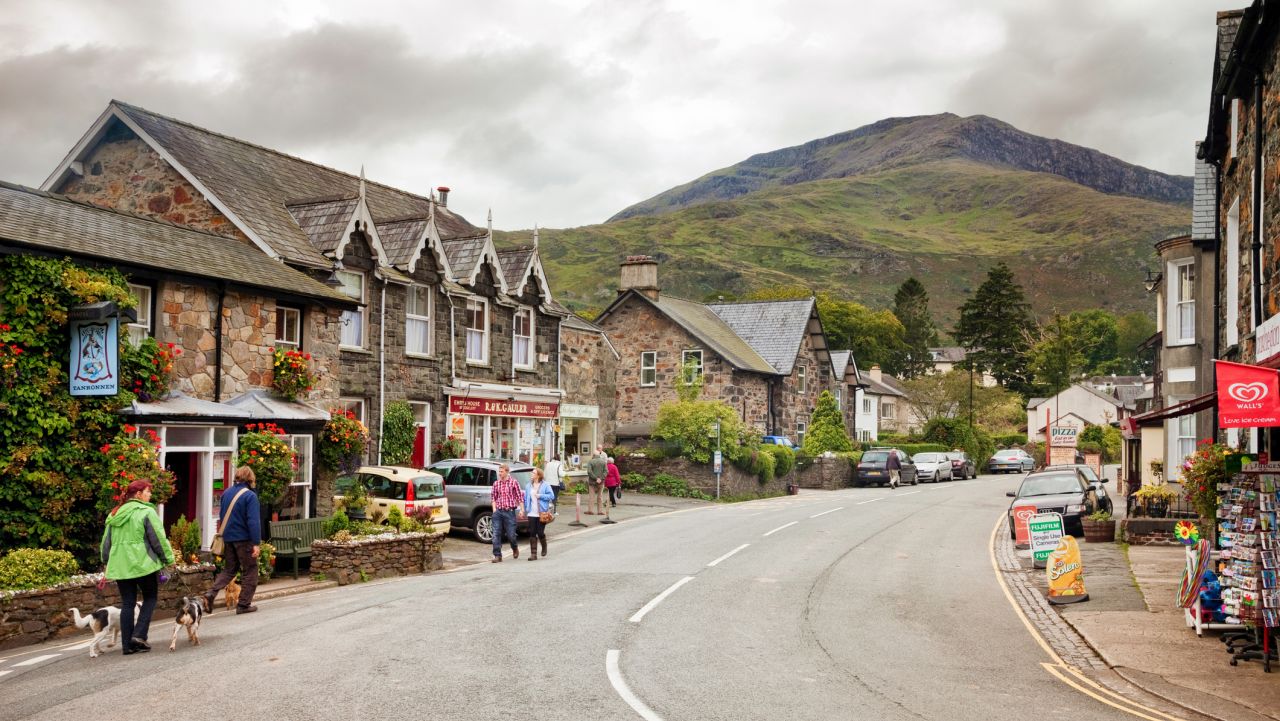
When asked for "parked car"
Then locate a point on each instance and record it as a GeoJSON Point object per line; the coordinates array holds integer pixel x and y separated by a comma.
{"type": "Point", "coordinates": [468, 482]}
{"type": "Point", "coordinates": [871, 468]}
{"type": "Point", "coordinates": [780, 441]}
{"type": "Point", "coordinates": [933, 467]}
{"type": "Point", "coordinates": [404, 488]}
{"type": "Point", "coordinates": [1011, 460]}
{"type": "Point", "coordinates": [1066, 491]}
{"type": "Point", "coordinates": [1104, 500]}
{"type": "Point", "coordinates": [962, 466]}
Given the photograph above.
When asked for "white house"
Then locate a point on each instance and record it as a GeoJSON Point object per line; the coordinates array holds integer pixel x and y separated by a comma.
{"type": "Point", "coordinates": [1078, 404]}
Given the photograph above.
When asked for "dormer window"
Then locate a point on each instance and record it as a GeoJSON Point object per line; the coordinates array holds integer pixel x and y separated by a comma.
{"type": "Point", "coordinates": [353, 321]}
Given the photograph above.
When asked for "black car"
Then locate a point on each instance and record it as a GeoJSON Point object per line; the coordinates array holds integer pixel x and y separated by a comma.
{"type": "Point", "coordinates": [962, 466]}
{"type": "Point", "coordinates": [1066, 491]}
{"type": "Point", "coordinates": [871, 468]}
{"type": "Point", "coordinates": [1104, 500]}
{"type": "Point", "coordinates": [468, 483]}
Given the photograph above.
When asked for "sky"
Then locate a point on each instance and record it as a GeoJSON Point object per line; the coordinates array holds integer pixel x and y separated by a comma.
{"type": "Point", "coordinates": [562, 112]}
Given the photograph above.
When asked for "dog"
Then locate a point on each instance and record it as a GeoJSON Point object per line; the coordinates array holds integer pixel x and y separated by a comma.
{"type": "Point", "coordinates": [231, 594]}
{"type": "Point", "coordinates": [104, 622]}
{"type": "Point", "coordinates": [193, 608]}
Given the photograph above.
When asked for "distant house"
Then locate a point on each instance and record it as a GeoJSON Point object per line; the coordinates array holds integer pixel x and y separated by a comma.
{"type": "Point", "coordinates": [949, 358]}
{"type": "Point", "coordinates": [1079, 403]}
{"type": "Point", "coordinates": [885, 400]}
{"type": "Point", "coordinates": [851, 397]}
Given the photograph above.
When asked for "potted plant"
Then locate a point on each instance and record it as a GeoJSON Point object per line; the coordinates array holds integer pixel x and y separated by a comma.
{"type": "Point", "coordinates": [1155, 499]}
{"type": "Point", "coordinates": [1099, 527]}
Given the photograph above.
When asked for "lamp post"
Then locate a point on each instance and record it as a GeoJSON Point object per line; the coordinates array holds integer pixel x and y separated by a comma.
{"type": "Point", "coordinates": [717, 461]}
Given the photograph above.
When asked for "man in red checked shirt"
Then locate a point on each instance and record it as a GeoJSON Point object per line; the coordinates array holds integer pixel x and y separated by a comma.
{"type": "Point", "coordinates": [506, 496]}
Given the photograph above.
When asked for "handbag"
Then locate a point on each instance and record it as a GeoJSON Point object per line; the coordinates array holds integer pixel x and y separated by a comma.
{"type": "Point", "coordinates": [217, 545]}
{"type": "Point", "coordinates": [546, 517]}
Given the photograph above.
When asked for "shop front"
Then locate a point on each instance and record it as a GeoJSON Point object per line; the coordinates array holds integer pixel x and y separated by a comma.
{"type": "Point", "coordinates": [513, 424]}
{"type": "Point", "coordinates": [579, 433]}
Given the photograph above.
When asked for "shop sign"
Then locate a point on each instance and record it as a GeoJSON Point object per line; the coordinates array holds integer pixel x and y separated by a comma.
{"type": "Point", "coordinates": [1062, 456]}
{"type": "Point", "coordinates": [1248, 396]}
{"type": "Point", "coordinates": [95, 362]}
{"type": "Point", "coordinates": [501, 407]}
{"type": "Point", "coordinates": [1066, 573]}
{"type": "Point", "coordinates": [574, 410]}
{"type": "Point", "coordinates": [1063, 436]}
{"type": "Point", "coordinates": [1045, 530]}
{"type": "Point", "coordinates": [1022, 515]}
{"type": "Point", "coordinates": [1266, 339]}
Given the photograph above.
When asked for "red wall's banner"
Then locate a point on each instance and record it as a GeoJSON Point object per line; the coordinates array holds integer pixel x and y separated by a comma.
{"type": "Point", "coordinates": [499, 407]}
{"type": "Point", "coordinates": [1248, 396]}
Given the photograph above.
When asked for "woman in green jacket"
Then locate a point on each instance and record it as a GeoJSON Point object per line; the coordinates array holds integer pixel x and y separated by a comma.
{"type": "Point", "coordinates": [134, 549]}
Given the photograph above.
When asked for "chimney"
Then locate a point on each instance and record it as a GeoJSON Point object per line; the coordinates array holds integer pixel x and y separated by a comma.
{"type": "Point", "coordinates": [875, 374]}
{"type": "Point", "coordinates": [443, 190]}
{"type": "Point", "coordinates": [640, 273]}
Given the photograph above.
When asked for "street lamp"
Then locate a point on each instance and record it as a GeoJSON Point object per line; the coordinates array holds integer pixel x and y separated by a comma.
{"type": "Point", "coordinates": [1152, 280]}
{"type": "Point", "coordinates": [717, 461]}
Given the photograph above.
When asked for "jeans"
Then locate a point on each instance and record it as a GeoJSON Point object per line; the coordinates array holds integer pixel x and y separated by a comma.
{"type": "Point", "coordinates": [149, 587]}
{"type": "Point", "coordinates": [238, 558]}
{"type": "Point", "coordinates": [504, 527]}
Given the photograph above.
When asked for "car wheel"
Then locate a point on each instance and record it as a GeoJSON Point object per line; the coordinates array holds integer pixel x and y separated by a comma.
{"type": "Point", "coordinates": [915, 479]}
{"type": "Point", "coordinates": [483, 526]}
{"type": "Point", "coordinates": [937, 477]}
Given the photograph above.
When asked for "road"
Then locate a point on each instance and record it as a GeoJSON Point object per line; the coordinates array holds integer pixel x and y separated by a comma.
{"type": "Point", "coordinates": [853, 604]}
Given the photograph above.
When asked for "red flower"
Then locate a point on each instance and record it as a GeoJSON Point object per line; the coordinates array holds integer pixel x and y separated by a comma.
{"type": "Point", "coordinates": [4, 326]}
{"type": "Point", "coordinates": [129, 429]}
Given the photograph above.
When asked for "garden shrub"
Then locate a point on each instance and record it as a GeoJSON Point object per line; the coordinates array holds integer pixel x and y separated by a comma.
{"type": "Point", "coordinates": [337, 522]}
{"type": "Point", "coordinates": [758, 462]}
{"type": "Point", "coordinates": [687, 424]}
{"type": "Point", "coordinates": [395, 518]}
{"type": "Point", "coordinates": [852, 458]}
{"type": "Point", "coordinates": [953, 433]}
{"type": "Point", "coordinates": [1009, 440]}
{"type": "Point", "coordinates": [1105, 439]}
{"type": "Point", "coordinates": [633, 481]}
{"type": "Point", "coordinates": [784, 459]}
{"type": "Point", "coordinates": [826, 428]}
{"type": "Point", "coordinates": [665, 484]}
{"type": "Point", "coordinates": [184, 538]}
{"type": "Point", "coordinates": [913, 448]}
{"type": "Point", "coordinates": [398, 432]}
{"type": "Point", "coordinates": [36, 568]}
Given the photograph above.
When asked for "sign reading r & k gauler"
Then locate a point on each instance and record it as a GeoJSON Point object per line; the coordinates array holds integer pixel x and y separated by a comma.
{"type": "Point", "coordinates": [499, 407]}
{"type": "Point", "coordinates": [95, 362]}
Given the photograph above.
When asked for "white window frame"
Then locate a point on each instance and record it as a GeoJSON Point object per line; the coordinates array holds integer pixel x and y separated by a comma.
{"type": "Point", "coordinates": [412, 319]}
{"type": "Point", "coordinates": [1233, 273]}
{"type": "Point", "coordinates": [802, 378]}
{"type": "Point", "coordinates": [531, 351]}
{"type": "Point", "coordinates": [482, 342]}
{"type": "Point", "coordinates": [867, 406]}
{"type": "Point", "coordinates": [145, 295]}
{"type": "Point", "coordinates": [693, 353]}
{"type": "Point", "coordinates": [802, 427]}
{"type": "Point", "coordinates": [356, 404]}
{"type": "Point", "coordinates": [889, 411]}
{"type": "Point", "coordinates": [650, 368]}
{"type": "Point", "coordinates": [840, 399]}
{"type": "Point", "coordinates": [350, 316]}
{"type": "Point", "coordinates": [302, 475]}
{"type": "Point", "coordinates": [282, 312]}
{"type": "Point", "coordinates": [1182, 311]}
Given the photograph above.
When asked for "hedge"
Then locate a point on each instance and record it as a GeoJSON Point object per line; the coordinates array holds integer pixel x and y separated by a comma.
{"type": "Point", "coordinates": [784, 459]}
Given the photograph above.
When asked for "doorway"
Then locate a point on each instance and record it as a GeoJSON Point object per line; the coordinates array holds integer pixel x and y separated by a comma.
{"type": "Point", "coordinates": [186, 482]}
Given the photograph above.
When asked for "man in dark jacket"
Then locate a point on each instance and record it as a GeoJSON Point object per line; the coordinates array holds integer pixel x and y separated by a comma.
{"type": "Point", "coordinates": [894, 466]}
{"type": "Point", "coordinates": [241, 525]}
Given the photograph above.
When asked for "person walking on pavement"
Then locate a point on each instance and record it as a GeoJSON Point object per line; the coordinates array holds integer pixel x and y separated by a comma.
{"type": "Point", "coordinates": [554, 473]}
{"type": "Point", "coordinates": [506, 497]}
{"type": "Point", "coordinates": [613, 481]}
{"type": "Point", "coordinates": [894, 467]}
{"type": "Point", "coordinates": [134, 549]}
{"type": "Point", "coordinates": [241, 527]}
{"type": "Point", "coordinates": [597, 471]}
{"type": "Point", "coordinates": [538, 498]}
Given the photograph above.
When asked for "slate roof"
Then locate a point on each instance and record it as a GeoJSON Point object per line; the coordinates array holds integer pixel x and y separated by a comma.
{"type": "Point", "coordinates": [55, 223]}
{"type": "Point", "coordinates": [947, 354]}
{"type": "Point", "coordinates": [464, 254]}
{"type": "Point", "coordinates": [886, 386]}
{"type": "Point", "coordinates": [257, 183]}
{"type": "Point", "coordinates": [1204, 200]}
{"type": "Point", "coordinates": [324, 221]}
{"type": "Point", "coordinates": [515, 265]}
{"type": "Point", "coordinates": [400, 238]}
{"type": "Point", "coordinates": [774, 329]}
{"type": "Point", "coordinates": [705, 325]}
{"type": "Point", "coordinates": [839, 362]}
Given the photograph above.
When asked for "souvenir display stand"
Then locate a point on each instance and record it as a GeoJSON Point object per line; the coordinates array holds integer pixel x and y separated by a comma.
{"type": "Point", "coordinates": [1248, 571]}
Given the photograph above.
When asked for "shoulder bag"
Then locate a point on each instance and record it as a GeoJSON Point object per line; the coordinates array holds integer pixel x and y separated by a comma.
{"type": "Point", "coordinates": [217, 545]}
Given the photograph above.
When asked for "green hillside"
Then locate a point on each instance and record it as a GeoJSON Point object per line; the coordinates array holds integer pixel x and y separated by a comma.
{"type": "Point", "coordinates": [944, 221]}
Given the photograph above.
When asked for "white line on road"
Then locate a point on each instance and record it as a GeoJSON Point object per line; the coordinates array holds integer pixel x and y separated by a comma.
{"type": "Point", "coordinates": [619, 685]}
{"type": "Point", "coordinates": [652, 604]}
{"type": "Point", "coordinates": [911, 493]}
{"type": "Point", "coordinates": [730, 553]}
{"type": "Point", "coordinates": [779, 528]}
{"type": "Point", "coordinates": [5, 672]}
{"type": "Point", "coordinates": [37, 659]}
{"type": "Point", "coordinates": [873, 500]}
{"type": "Point", "coordinates": [833, 510]}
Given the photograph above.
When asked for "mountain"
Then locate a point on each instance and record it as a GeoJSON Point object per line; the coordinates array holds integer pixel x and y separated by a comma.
{"type": "Point", "coordinates": [938, 197]}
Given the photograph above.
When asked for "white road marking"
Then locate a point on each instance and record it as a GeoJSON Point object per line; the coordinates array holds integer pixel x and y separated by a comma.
{"type": "Point", "coordinates": [6, 672]}
{"type": "Point", "coordinates": [833, 510]}
{"type": "Point", "coordinates": [659, 598]}
{"type": "Point", "coordinates": [78, 647]}
{"type": "Point", "coordinates": [911, 493]}
{"type": "Point", "coordinates": [730, 553]}
{"type": "Point", "coordinates": [779, 528]}
{"type": "Point", "coordinates": [620, 685]}
{"type": "Point", "coordinates": [37, 659]}
{"type": "Point", "coordinates": [873, 500]}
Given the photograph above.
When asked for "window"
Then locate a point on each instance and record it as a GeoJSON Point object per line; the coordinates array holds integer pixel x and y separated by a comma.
{"type": "Point", "coordinates": [1182, 303]}
{"type": "Point", "coordinates": [649, 368]}
{"type": "Point", "coordinates": [417, 320]}
{"type": "Point", "coordinates": [1186, 436]}
{"type": "Point", "coordinates": [801, 427]}
{"type": "Point", "coordinates": [522, 345]}
{"type": "Point", "coordinates": [864, 435]}
{"type": "Point", "coordinates": [288, 327]}
{"type": "Point", "coordinates": [140, 330]}
{"type": "Point", "coordinates": [694, 357]}
{"type": "Point", "coordinates": [802, 379]}
{"type": "Point", "coordinates": [355, 405]}
{"type": "Point", "coordinates": [477, 330]}
{"type": "Point", "coordinates": [866, 405]}
{"type": "Point", "coordinates": [301, 445]}
{"type": "Point", "coordinates": [840, 398]}
{"type": "Point", "coordinates": [1233, 274]}
{"type": "Point", "coordinates": [888, 410]}
{"type": "Point", "coordinates": [353, 321]}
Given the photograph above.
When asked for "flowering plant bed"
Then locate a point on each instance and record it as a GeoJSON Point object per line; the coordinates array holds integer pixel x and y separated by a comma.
{"type": "Point", "coordinates": [291, 373]}
{"type": "Point", "coordinates": [1201, 474]}
{"type": "Point", "coordinates": [273, 461]}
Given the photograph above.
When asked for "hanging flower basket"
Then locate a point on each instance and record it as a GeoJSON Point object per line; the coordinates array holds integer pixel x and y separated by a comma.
{"type": "Point", "coordinates": [132, 458]}
{"type": "Point", "coordinates": [263, 448]}
{"type": "Point", "coordinates": [291, 373]}
{"type": "Point", "coordinates": [151, 367]}
{"type": "Point", "coordinates": [342, 442]}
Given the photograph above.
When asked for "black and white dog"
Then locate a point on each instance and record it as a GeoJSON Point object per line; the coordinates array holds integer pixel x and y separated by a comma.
{"type": "Point", "coordinates": [105, 622]}
{"type": "Point", "coordinates": [193, 608]}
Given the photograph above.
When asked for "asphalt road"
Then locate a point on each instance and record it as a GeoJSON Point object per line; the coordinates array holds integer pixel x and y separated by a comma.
{"type": "Point", "coordinates": [855, 604]}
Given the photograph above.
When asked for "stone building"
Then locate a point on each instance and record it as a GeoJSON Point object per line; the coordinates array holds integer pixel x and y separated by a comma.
{"type": "Point", "coordinates": [768, 360]}
{"type": "Point", "coordinates": [589, 376]}
{"type": "Point", "coordinates": [220, 304]}
{"type": "Point", "coordinates": [883, 404]}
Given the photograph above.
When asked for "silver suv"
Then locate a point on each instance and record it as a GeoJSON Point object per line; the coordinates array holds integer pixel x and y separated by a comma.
{"type": "Point", "coordinates": [467, 484]}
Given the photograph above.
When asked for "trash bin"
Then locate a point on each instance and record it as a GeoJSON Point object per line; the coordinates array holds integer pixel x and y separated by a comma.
{"type": "Point", "coordinates": [793, 489]}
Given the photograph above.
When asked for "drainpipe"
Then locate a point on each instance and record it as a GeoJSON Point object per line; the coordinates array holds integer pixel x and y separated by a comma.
{"type": "Point", "coordinates": [1257, 198]}
{"type": "Point", "coordinates": [217, 343]}
{"type": "Point", "coordinates": [1217, 288]}
{"type": "Point", "coordinates": [382, 364]}
{"type": "Point", "coordinates": [773, 421]}
{"type": "Point", "coordinates": [453, 344]}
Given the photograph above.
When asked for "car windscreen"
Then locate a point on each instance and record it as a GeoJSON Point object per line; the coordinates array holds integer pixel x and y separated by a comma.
{"type": "Point", "coordinates": [427, 487]}
{"type": "Point", "coordinates": [1007, 455]}
{"type": "Point", "coordinates": [383, 487]}
{"type": "Point", "coordinates": [875, 456]}
{"type": "Point", "coordinates": [956, 456]}
{"type": "Point", "coordinates": [1050, 484]}
{"type": "Point", "coordinates": [523, 476]}
{"type": "Point", "coordinates": [1088, 473]}
{"type": "Point", "coordinates": [929, 457]}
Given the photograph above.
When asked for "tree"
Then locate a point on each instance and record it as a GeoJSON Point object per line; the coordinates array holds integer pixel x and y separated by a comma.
{"type": "Point", "coordinates": [993, 327]}
{"type": "Point", "coordinates": [946, 395]}
{"type": "Point", "coordinates": [1133, 329]}
{"type": "Point", "coordinates": [398, 433]}
{"type": "Point", "coordinates": [911, 307]}
{"type": "Point", "coordinates": [1100, 328]}
{"type": "Point", "coordinates": [1060, 354]}
{"type": "Point", "coordinates": [1105, 437]}
{"type": "Point", "coordinates": [826, 430]}
{"type": "Point", "coordinates": [875, 336]}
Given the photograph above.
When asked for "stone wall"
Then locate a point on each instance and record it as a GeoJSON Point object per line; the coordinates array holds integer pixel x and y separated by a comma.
{"type": "Point", "coordinates": [589, 376]}
{"type": "Point", "coordinates": [733, 482]}
{"type": "Point", "coordinates": [1149, 531]}
{"type": "Point", "coordinates": [790, 405]}
{"type": "Point", "coordinates": [28, 617]}
{"type": "Point", "coordinates": [825, 473]}
{"type": "Point", "coordinates": [378, 556]}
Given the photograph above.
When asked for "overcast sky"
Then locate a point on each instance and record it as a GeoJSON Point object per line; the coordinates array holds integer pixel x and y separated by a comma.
{"type": "Point", "coordinates": [563, 112]}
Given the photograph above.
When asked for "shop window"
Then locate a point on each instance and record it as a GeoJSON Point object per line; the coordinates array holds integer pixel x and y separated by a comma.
{"type": "Point", "coordinates": [353, 321]}
{"type": "Point", "coordinates": [417, 320]}
{"type": "Point", "coordinates": [477, 330]}
{"type": "Point", "coordinates": [694, 357]}
{"type": "Point", "coordinates": [301, 445]}
{"type": "Point", "coordinates": [802, 379]}
{"type": "Point", "coordinates": [142, 328]}
{"type": "Point", "coordinates": [288, 326]}
{"type": "Point", "coordinates": [649, 368]}
{"type": "Point", "coordinates": [522, 343]}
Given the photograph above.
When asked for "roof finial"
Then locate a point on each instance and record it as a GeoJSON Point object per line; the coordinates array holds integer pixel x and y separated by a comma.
{"type": "Point", "coordinates": [490, 221]}
{"type": "Point", "coordinates": [535, 236]}
{"type": "Point", "coordinates": [362, 181]}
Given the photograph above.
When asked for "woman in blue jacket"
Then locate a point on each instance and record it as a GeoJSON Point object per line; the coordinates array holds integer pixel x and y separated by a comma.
{"type": "Point", "coordinates": [538, 498]}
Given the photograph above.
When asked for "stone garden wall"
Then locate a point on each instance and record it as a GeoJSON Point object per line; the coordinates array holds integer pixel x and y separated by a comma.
{"type": "Point", "coordinates": [1149, 531]}
{"type": "Point", "coordinates": [733, 482]}
{"type": "Point", "coordinates": [384, 556]}
{"type": "Point", "coordinates": [28, 617]}
{"type": "Point", "coordinates": [825, 473]}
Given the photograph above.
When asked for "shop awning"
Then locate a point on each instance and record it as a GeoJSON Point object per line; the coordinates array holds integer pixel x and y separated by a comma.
{"type": "Point", "coordinates": [1195, 405]}
{"type": "Point", "coordinates": [262, 405]}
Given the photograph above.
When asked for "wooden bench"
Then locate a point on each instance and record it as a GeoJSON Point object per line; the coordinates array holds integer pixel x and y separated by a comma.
{"type": "Point", "coordinates": [293, 538]}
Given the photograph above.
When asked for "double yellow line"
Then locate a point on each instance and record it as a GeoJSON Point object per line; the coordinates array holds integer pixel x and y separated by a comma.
{"type": "Point", "coordinates": [1063, 671]}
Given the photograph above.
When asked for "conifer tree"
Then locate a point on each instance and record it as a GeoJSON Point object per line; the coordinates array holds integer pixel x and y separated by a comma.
{"type": "Point", "coordinates": [994, 327]}
{"type": "Point", "coordinates": [826, 428]}
{"type": "Point", "coordinates": [911, 306]}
